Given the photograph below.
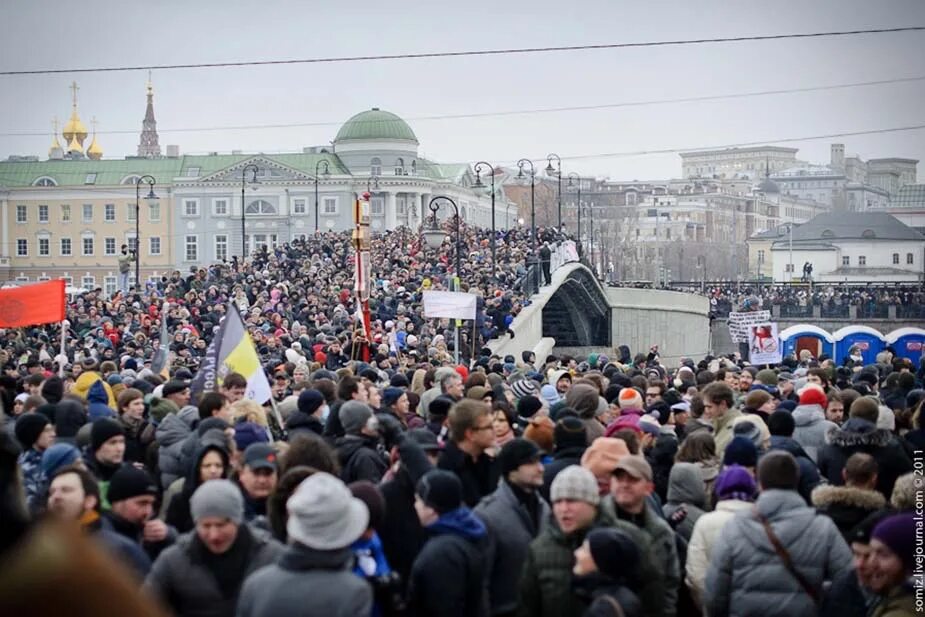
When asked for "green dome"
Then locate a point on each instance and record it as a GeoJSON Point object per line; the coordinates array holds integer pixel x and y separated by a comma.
{"type": "Point", "coordinates": [375, 124]}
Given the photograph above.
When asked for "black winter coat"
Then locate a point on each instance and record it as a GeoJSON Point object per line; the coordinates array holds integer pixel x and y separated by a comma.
{"type": "Point", "coordinates": [479, 478]}
{"type": "Point", "coordinates": [360, 459]}
{"type": "Point", "coordinates": [858, 435]}
{"type": "Point", "coordinates": [448, 579]}
{"type": "Point", "coordinates": [844, 598]}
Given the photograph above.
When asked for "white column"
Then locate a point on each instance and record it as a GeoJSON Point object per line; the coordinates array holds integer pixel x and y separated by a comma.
{"type": "Point", "coordinates": [390, 218]}
{"type": "Point", "coordinates": [412, 209]}
{"type": "Point", "coordinates": [4, 220]}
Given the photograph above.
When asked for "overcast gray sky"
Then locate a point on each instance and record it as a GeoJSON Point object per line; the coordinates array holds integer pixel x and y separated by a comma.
{"type": "Point", "coordinates": [52, 34]}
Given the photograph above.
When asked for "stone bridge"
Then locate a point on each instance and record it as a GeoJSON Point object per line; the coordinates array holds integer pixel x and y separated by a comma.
{"type": "Point", "coordinates": [577, 315]}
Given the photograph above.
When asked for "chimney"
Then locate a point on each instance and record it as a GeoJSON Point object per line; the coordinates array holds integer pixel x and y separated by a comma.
{"type": "Point", "coordinates": [173, 152]}
{"type": "Point", "coordinates": [838, 156]}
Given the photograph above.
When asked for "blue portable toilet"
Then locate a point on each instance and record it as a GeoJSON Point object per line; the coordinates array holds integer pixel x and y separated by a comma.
{"type": "Point", "coordinates": [869, 340]}
{"type": "Point", "coordinates": [805, 336]}
{"type": "Point", "coordinates": [908, 343]}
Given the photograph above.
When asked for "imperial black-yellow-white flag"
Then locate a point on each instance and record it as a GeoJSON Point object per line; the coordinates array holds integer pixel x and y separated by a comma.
{"type": "Point", "coordinates": [232, 351]}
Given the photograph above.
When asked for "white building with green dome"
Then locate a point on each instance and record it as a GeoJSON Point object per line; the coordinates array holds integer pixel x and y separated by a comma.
{"type": "Point", "coordinates": [68, 217]}
{"type": "Point", "coordinates": [374, 150]}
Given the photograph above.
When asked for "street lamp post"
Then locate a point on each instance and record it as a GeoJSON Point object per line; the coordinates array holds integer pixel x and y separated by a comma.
{"type": "Point", "coordinates": [478, 184]}
{"type": "Point", "coordinates": [573, 181]}
{"type": "Point", "coordinates": [558, 172]}
{"type": "Point", "coordinates": [323, 165]}
{"type": "Point", "coordinates": [520, 176]}
{"type": "Point", "coordinates": [150, 198]}
{"type": "Point", "coordinates": [254, 169]}
{"type": "Point", "coordinates": [434, 237]}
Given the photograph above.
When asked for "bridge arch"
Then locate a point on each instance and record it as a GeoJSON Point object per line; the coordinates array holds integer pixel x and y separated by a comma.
{"type": "Point", "coordinates": [577, 314]}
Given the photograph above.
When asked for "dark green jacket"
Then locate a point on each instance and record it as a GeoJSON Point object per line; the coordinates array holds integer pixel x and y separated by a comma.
{"type": "Point", "coordinates": [546, 582]}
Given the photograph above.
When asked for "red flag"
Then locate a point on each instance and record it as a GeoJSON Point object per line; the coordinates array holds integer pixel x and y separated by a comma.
{"type": "Point", "coordinates": [31, 305]}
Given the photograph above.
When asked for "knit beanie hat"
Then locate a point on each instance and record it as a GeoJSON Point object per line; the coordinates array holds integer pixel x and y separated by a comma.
{"type": "Point", "coordinates": [767, 376]}
{"type": "Point", "coordinates": [615, 553]}
{"type": "Point", "coordinates": [813, 395]}
{"type": "Point", "coordinates": [102, 431]}
{"type": "Point", "coordinates": [390, 395]}
{"type": "Point", "coordinates": [29, 427]}
{"type": "Point", "coordinates": [128, 482]}
{"type": "Point", "coordinates": [898, 533]}
{"type": "Point", "coordinates": [324, 515]}
{"type": "Point", "coordinates": [247, 433]}
{"type": "Point", "coordinates": [310, 400]}
{"type": "Point", "coordinates": [515, 453]}
{"type": "Point", "coordinates": [576, 483]}
{"type": "Point", "coordinates": [570, 433]}
{"type": "Point", "coordinates": [748, 429]}
{"type": "Point", "coordinates": [58, 456]}
{"type": "Point", "coordinates": [218, 498]}
{"type": "Point", "coordinates": [524, 387]}
{"type": "Point", "coordinates": [741, 451]}
{"type": "Point", "coordinates": [629, 399]}
{"type": "Point", "coordinates": [781, 423]}
{"type": "Point", "coordinates": [528, 405]}
{"type": "Point", "coordinates": [159, 408]}
{"type": "Point", "coordinates": [734, 482]}
{"type": "Point", "coordinates": [550, 394]}
{"type": "Point", "coordinates": [603, 454]}
{"type": "Point", "coordinates": [369, 493]}
{"type": "Point", "coordinates": [354, 415]}
{"type": "Point", "coordinates": [441, 490]}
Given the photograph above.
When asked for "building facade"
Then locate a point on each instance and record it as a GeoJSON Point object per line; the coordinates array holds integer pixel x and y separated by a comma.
{"type": "Point", "coordinates": [729, 163]}
{"type": "Point", "coordinates": [850, 247]}
{"type": "Point", "coordinates": [68, 216]}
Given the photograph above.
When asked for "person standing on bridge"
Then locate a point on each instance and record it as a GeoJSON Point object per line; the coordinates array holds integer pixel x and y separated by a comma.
{"type": "Point", "coordinates": [546, 262]}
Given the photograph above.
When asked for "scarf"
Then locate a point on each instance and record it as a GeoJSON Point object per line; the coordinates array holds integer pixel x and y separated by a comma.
{"type": "Point", "coordinates": [230, 568]}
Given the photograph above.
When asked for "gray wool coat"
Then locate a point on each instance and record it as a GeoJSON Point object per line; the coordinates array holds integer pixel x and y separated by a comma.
{"type": "Point", "coordinates": [747, 577]}
{"type": "Point", "coordinates": [811, 428]}
{"type": "Point", "coordinates": [510, 532]}
{"type": "Point", "coordinates": [189, 588]}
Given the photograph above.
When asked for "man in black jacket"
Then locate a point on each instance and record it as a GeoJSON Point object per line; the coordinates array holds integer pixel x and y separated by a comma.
{"type": "Point", "coordinates": [471, 435]}
{"type": "Point", "coordinates": [358, 450]}
{"type": "Point", "coordinates": [401, 533]}
{"type": "Point", "coordinates": [447, 578]}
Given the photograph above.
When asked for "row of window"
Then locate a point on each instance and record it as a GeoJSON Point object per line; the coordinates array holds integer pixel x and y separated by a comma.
{"type": "Point", "coordinates": [221, 207]}
{"type": "Point", "coordinates": [87, 246]}
{"type": "Point", "coordinates": [109, 213]}
{"type": "Point", "coordinates": [220, 251]}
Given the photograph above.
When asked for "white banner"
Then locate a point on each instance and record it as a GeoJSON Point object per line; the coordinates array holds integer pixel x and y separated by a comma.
{"type": "Point", "coordinates": [451, 304]}
{"type": "Point", "coordinates": [763, 344]}
{"type": "Point", "coordinates": [739, 324]}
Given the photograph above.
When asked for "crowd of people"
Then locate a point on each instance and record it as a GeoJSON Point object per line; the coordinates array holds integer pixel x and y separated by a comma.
{"type": "Point", "coordinates": [831, 296]}
{"type": "Point", "coordinates": [411, 485]}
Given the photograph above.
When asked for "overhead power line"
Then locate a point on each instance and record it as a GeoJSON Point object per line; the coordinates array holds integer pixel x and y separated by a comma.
{"type": "Point", "coordinates": [745, 144]}
{"type": "Point", "coordinates": [466, 53]}
{"type": "Point", "coordinates": [502, 113]}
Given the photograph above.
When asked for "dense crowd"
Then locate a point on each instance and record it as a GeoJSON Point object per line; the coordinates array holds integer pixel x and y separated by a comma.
{"type": "Point", "coordinates": [825, 295]}
{"type": "Point", "coordinates": [503, 486]}
{"type": "Point", "coordinates": [298, 301]}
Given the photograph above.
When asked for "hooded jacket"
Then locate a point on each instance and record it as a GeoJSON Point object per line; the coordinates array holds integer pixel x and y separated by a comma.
{"type": "Point", "coordinates": [858, 435]}
{"type": "Point", "coordinates": [98, 402]}
{"type": "Point", "coordinates": [685, 490]}
{"type": "Point", "coordinates": [747, 577]}
{"type": "Point", "coordinates": [447, 578]}
{"type": "Point", "coordinates": [170, 434]}
{"type": "Point", "coordinates": [360, 459]}
{"type": "Point", "coordinates": [178, 510]}
{"type": "Point", "coordinates": [846, 506]}
{"type": "Point", "coordinates": [811, 428]}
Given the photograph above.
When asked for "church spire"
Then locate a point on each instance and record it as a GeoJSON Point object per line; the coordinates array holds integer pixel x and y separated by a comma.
{"type": "Point", "coordinates": [149, 147]}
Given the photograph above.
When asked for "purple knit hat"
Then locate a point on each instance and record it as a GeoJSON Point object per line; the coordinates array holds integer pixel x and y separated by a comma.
{"type": "Point", "coordinates": [898, 533]}
{"type": "Point", "coordinates": [734, 482]}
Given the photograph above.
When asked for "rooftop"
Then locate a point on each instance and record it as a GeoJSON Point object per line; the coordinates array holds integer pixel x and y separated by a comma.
{"type": "Point", "coordinates": [375, 124]}
{"type": "Point", "coordinates": [854, 226]}
{"type": "Point", "coordinates": [909, 196]}
{"type": "Point", "coordinates": [749, 150]}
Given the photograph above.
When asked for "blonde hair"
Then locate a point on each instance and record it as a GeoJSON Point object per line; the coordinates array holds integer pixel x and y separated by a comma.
{"type": "Point", "coordinates": [247, 410]}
